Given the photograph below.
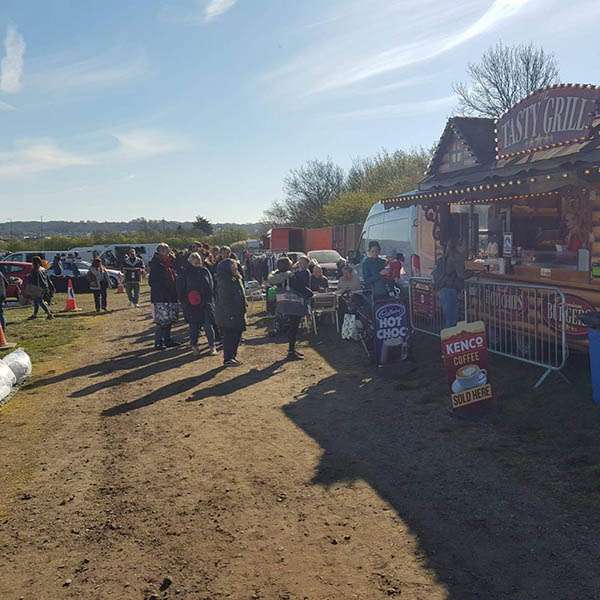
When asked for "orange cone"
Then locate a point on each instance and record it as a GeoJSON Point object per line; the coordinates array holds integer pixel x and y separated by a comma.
{"type": "Point", "coordinates": [71, 304]}
{"type": "Point", "coordinates": [3, 343]}
{"type": "Point", "coordinates": [120, 289]}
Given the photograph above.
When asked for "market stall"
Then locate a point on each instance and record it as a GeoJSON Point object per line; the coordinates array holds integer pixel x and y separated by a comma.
{"type": "Point", "coordinates": [524, 192]}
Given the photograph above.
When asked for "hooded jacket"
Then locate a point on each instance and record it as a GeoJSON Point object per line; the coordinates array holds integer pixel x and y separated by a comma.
{"type": "Point", "coordinates": [230, 299]}
{"type": "Point", "coordinates": [200, 280]}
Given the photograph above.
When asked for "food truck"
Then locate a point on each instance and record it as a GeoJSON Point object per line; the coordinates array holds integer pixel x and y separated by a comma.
{"type": "Point", "coordinates": [523, 191]}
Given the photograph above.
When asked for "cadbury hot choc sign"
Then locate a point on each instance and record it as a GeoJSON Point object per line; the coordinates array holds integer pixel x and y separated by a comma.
{"type": "Point", "coordinates": [547, 119]}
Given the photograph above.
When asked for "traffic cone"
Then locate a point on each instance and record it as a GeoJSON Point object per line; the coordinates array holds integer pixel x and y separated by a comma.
{"type": "Point", "coordinates": [4, 345]}
{"type": "Point", "coordinates": [120, 288]}
{"type": "Point", "coordinates": [71, 304]}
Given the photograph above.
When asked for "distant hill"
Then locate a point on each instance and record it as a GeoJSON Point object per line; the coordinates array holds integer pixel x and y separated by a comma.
{"type": "Point", "coordinates": [23, 229]}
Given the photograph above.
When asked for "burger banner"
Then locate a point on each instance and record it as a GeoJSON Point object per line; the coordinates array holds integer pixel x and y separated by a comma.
{"type": "Point", "coordinates": [391, 330]}
{"type": "Point", "coordinates": [467, 367]}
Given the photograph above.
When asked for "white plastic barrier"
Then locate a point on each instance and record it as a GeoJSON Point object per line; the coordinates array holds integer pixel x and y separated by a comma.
{"type": "Point", "coordinates": [19, 363]}
{"type": "Point", "coordinates": [7, 377]}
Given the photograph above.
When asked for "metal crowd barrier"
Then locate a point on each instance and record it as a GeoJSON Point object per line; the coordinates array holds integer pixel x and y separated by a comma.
{"type": "Point", "coordinates": [524, 322]}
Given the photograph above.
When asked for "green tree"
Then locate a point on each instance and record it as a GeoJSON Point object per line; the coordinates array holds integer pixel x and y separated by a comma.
{"type": "Point", "coordinates": [203, 225]}
{"type": "Point", "coordinates": [350, 207]}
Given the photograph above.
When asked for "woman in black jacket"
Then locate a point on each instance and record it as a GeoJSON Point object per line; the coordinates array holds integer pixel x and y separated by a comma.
{"type": "Point", "coordinates": [300, 283]}
{"type": "Point", "coordinates": [230, 309]}
{"type": "Point", "coordinates": [195, 290]}
{"type": "Point", "coordinates": [163, 294]}
{"type": "Point", "coordinates": [39, 288]}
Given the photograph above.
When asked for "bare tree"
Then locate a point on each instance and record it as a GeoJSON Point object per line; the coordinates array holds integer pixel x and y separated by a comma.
{"type": "Point", "coordinates": [307, 190]}
{"type": "Point", "coordinates": [505, 75]}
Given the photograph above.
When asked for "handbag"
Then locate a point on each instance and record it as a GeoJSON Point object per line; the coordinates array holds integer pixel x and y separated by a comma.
{"type": "Point", "coordinates": [194, 298]}
{"type": "Point", "coordinates": [348, 327]}
{"type": "Point", "coordinates": [289, 302]}
{"type": "Point", "coordinates": [34, 291]}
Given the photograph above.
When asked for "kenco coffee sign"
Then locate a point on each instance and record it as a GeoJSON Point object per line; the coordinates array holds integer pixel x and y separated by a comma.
{"type": "Point", "coordinates": [548, 118]}
{"type": "Point", "coordinates": [467, 368]}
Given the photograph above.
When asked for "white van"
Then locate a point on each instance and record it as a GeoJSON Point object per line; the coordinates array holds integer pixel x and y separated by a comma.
{"type": "Point", "coordinates": [404, 230]}
{"type": "Point", "coordinates": [114, 255]}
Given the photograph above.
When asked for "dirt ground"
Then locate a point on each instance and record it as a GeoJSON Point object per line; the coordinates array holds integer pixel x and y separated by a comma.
{"type": "Point", "coordinates": [129, 473]}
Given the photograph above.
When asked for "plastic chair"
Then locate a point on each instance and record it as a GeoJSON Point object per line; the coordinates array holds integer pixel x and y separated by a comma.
{"type": "Point", "coordinates": [325, 304]}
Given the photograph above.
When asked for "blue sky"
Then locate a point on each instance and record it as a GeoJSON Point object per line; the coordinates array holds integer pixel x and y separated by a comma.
{"type": "Point", "coordinates": [119, 109]}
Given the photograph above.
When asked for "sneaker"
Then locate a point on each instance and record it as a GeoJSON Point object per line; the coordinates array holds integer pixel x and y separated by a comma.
{"type": "Point", "coordinates": [232, 363]}
{"type": "Point", "coordinates": [237, 362]}
{"type": "Point", "coordinates": [160, 346]}
{"type": "Point", "coordinates": [137, 305]}
{"type": "Point", "coordinates": [50, 316]}
{"type": "Point", "coordinates": [212, 351]}
{"type": "Point", "coordinates": [105, 309]}
{"type": "Point", "coordinates": [195, 351]}
{"type": "Point", "coordinates": [32, 317]}
{"type": "Point", "coordinates": [130, 303]}
{"type": "Point", "coordinates": [172, 344]}
{"type": "Point", "coordinates": [295, 356]}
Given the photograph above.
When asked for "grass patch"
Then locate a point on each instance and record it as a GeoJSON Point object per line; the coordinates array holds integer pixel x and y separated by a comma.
{"type": "Point", "coordinates": [40, 337]}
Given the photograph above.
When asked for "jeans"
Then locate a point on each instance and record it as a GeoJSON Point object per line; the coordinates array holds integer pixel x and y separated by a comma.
{"type": "Point", "coordinates": [208, 329]}
{"type": "Point", "coordinates": [2, 320]}
{"type": "Point", "coordinates": [100, 297]}
{"type": "Point", "coordinates": [231, 342]}
{"type": "Point", "coordinates": [162, 334]}
{"type": "Point", "coordinates": [133, 291]}
{"type": "Point", "coordinates": [37, 302]}
{"type": "Point", "coordinates": [449, 301]}
{"type": "Point", "coordinates": [294, 322]}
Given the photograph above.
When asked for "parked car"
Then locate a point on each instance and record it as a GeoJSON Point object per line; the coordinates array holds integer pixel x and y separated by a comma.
{"type": "Point", "coordinates": [328, 260]}
{"type": "Point", "coordinates": [14, 270]}
{"type": "Point", "coordinates": [77, 271]}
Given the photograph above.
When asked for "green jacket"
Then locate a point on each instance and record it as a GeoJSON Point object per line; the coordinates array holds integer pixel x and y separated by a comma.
{"type": "Point", "coordinates": [230, 303]}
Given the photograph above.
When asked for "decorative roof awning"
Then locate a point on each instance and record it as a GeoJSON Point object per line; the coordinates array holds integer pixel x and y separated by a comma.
{"type": "Point", "coordinates": [570, 155]}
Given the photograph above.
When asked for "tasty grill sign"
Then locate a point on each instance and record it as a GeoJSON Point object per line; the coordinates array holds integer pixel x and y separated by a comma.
{"type": "Point", "coordinates": [548, 118]}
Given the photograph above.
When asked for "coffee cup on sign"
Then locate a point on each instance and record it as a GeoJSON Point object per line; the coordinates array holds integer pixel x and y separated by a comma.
{"type": "Point", "coordinates": [469, 376]}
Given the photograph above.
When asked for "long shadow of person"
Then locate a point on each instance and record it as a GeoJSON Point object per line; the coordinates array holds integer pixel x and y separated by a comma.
{"type": "Point", "coordinates": [229, 386]}
{"type": "Point", "coordinates": [486, 536]}
{"type": "Point", "coordinates": [175, 387]}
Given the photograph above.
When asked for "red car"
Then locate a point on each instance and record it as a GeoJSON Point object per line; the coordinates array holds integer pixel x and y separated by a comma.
{"type": "Point", "coordinates": [18, 270]}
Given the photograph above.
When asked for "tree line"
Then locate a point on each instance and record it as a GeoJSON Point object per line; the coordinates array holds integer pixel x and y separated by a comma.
{"type": "Point", "coordinates": [321, 193]}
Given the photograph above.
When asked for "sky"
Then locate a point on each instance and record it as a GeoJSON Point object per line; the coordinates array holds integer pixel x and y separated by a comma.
{"type": "Point", "coordinates": [121, 109]}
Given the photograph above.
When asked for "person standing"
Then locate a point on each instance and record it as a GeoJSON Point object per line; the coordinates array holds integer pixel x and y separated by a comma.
{"type": "Point", "coordinates": [3, 288]}
{"type": "Point", "coordinates": [195, 290]}
{"type": "Point", "coordinates": [375, 270]}
{"type": "Point", "coordinates": [39, 288]}
{"type": "Point", "coordinates": [57, 266]}
{"type": "Point", "coordinates": [133, 266]}
{"type": "Point", "coordinates": [99, 283]}
{"type": "Point", "coordinates": [230, 309]}
{"type": "Point", "coordinates": [449, 277]}
{"type": "Point", "coordinates": [300, 283]}
{"type": "Point", "coordinates": [163, 294]}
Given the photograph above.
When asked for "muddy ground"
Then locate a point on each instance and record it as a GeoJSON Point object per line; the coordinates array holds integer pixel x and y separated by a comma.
{"type": "Point", "coordinates": [129, 473]}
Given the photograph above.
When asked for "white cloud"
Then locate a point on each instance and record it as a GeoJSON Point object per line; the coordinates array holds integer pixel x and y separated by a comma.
{"type": "Point", "coordinates": [396, 111]}
{"type": "Point", "coordinates": [201, 11]}
{"type": "Point", "coordinates": [375, 38]}
{"type": "Point", "coordinates": [11, 66]}
{"type": "Point", "coordinates": [216, 8]}
{"type": "Point", "coordinates": [6, 106]}
{"type": "Point", "coordinates": [61, 72]}
{"type": "Point", "coordinates": [35, 157]}
{"type": "Point", "coordinates": [30, 157]}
